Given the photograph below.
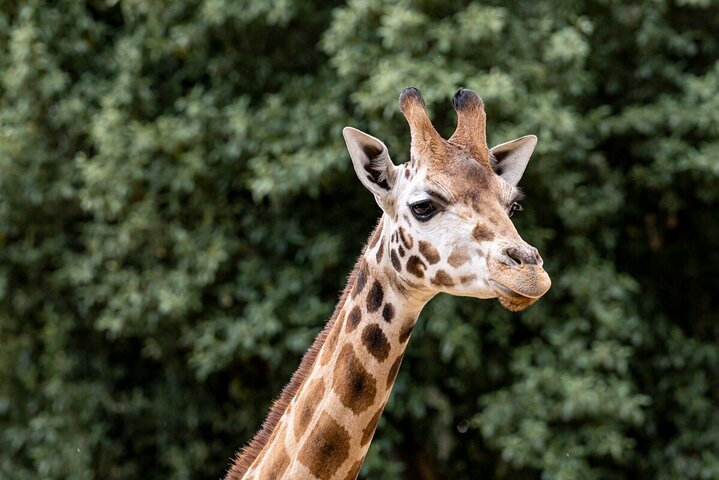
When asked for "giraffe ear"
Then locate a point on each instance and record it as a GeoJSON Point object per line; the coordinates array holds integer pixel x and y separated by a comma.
{"type": "Point", "coordinates": [371, 162]}
{"type": "Point", "coordinates": [510, 159]}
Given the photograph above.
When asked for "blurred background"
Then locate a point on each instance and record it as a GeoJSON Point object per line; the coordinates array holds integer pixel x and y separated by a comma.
{"type": "Point", "coordinates": [178, 215]}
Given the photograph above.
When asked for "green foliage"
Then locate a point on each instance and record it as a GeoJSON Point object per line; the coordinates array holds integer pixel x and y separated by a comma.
{"type": "Point", "coordinates": [178, 214]}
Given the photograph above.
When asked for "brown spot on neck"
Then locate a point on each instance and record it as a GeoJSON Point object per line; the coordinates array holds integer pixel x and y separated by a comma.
{"type": "Point", "coordinates": [388, 312]}
{"type": "Point", "coordinates": [375, 297]}
{"type": "Point", "coordinates": [326, 448]}
{"type": "Point", "coordinates": [375, 341]}
{"type": "Point", "coordinates": [354, 318]}
{"type": "Point", "coordinates": [353, 384]}
{"type": "Point", "coordinates": [361, 278]}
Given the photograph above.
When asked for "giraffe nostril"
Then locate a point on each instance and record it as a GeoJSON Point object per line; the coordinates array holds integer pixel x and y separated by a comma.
{"type": "Point", "coordinates": [523, 256]}
{"type": "Point", "coordinates": [513, 255]}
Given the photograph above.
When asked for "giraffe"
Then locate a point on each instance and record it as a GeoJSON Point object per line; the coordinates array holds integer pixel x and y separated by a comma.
{"type": "Point", "coordinates": [445, 227]}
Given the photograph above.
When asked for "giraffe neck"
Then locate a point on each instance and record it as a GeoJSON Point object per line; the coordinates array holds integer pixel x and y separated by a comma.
{"type": "Point", "coordinates": [325, 429]}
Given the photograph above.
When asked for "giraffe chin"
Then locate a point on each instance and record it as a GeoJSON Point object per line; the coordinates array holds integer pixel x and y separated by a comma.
{"type": "Point", "coordinates": [511, 300]}
{"type": "Point", "coordinates": [516, 303]}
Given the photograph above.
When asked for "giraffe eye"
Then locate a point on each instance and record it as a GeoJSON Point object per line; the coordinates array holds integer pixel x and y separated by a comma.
{"type": "Point", "coordinates": [515, 207]}
{"type": "Point", "coordinates": [423, 210]}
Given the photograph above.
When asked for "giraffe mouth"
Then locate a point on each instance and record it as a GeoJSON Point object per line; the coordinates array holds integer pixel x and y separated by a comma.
{"type": "Point", "coordinates": [505, 291]}
{"type": "Point", "coordinates": [510, 299]}
{"type": "Point", "coordinates": [517, 287]}
{"type": "Point", "coordinates": [520, 289]}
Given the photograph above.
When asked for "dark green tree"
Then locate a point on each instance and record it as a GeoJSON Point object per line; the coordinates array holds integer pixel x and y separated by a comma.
{"type": "Point", "coordinates": [178, 214]}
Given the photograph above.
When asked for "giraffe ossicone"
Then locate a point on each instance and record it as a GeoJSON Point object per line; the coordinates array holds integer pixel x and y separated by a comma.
{"type": "Point", "coordinates": [445, 227]}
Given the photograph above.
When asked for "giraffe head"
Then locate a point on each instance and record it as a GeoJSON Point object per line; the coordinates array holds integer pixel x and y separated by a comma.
{"type": "Point", "coordinates": [446, 223]}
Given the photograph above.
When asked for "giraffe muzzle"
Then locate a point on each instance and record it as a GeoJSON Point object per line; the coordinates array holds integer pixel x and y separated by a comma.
{"type": "Point", "coordinates": [518, 283]}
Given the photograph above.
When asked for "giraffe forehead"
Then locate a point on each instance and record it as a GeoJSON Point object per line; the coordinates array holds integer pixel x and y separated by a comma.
{"type": "Point", "coordinates": [465, 178]}
{"type": "Point", "coordinates": [459, 179]}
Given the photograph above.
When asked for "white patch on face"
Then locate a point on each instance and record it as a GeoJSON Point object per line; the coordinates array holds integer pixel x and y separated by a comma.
{"type": "Point", "coordinates": [448, 231]}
